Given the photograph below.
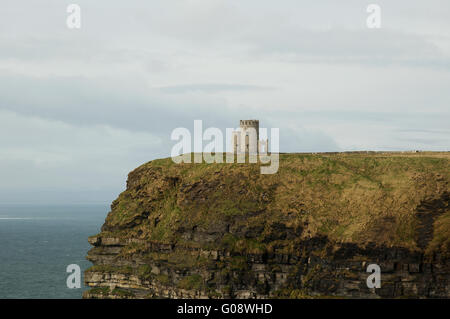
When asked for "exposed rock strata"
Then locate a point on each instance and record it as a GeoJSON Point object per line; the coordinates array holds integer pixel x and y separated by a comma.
{"type": "Point", "coordinates": [172, 234]}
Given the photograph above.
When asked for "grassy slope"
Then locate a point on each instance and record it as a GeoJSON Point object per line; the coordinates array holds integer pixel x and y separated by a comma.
{"type": "Point", "coordinates": [348, 197]}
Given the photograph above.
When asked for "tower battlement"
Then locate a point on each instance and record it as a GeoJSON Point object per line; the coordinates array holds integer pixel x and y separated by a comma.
{"type": "Point", "coordinates": [249, 123]}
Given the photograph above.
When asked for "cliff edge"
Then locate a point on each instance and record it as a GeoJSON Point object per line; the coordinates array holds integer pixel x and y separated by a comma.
{"type": "Point", "coordinates": [310, 230]}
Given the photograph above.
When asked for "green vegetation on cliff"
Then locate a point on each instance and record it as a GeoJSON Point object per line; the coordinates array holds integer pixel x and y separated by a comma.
{"type": "Point", "coordinates": [347, 197]}
{"type": "Point", "coordinates": [225, 230]}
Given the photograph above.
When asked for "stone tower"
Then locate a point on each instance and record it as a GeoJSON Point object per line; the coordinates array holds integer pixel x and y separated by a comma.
{"type": "Point", "coordinates": [246, 139]}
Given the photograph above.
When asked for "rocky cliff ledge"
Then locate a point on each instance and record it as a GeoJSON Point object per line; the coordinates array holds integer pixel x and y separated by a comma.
{"type": "Point", "coordinates": [226, 231]}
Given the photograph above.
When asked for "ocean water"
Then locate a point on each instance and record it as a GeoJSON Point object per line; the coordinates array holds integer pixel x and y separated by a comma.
{"type": "Point", "coordinates": [37, 243]}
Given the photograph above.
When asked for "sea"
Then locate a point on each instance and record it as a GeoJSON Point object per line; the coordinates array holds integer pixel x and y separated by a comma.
{"type": "Point", "coordinates": [38, 242]}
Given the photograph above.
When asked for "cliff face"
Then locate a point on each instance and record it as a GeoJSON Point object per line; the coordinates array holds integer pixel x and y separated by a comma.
{"type": "Point", "coordinates": [226, 231]}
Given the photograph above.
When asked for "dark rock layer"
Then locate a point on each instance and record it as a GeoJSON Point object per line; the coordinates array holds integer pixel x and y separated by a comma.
{"type": "Point", "coordinates": [179, 232]}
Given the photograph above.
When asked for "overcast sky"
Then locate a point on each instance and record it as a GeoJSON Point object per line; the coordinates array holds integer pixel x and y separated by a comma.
{"type": "Point", "coordinates": [80, 108]}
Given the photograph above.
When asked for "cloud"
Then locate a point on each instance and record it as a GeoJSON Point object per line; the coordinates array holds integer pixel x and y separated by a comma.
{"type": "Point", "coordinates": [346, 46]}
{"type": "Point", "coordinates": [80, 108]}
{"type": "Point", "coordinates": [212, 88]}
{"type": "Point", "coordinates": [53, 155]}
{"type": "Point", "coordinates": [127, 104]}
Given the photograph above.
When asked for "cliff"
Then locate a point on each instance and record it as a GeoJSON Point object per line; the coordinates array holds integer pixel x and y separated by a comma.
{"type": "Point", "coordinates": [310, 230]}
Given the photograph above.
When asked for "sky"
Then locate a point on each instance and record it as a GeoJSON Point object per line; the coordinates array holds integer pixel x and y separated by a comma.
{"type": "Point", "coordinates": [80, 108]}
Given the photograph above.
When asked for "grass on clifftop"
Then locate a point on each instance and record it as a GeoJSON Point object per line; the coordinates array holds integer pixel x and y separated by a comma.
{"type": "Point", "coordinates": [348, 197]}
